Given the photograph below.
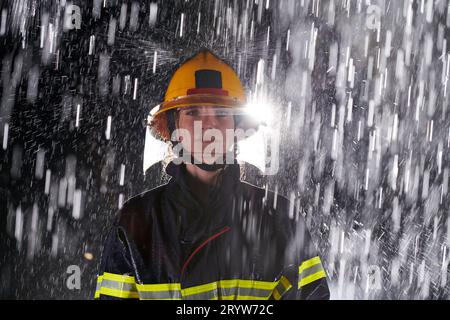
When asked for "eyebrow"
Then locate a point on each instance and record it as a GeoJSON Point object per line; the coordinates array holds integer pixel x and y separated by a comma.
{"type": "Point", "coordinates": [188, 108]}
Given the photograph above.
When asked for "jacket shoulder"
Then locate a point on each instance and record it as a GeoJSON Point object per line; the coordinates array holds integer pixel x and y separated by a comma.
{"type": "Point", "coordinates": [286, 216]}
{"type": "Point", "coordinates": [135, 216]}
{"type": "Point", "coordinates": [139, 204]}
{"type": "Point", "coordinates": [134, 219]}
{"type": "Point", "coordinates": [272, 200]}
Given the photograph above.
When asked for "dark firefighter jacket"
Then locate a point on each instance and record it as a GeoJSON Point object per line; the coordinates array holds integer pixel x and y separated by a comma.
{"type": "Point", "coordinates": [245, 243]}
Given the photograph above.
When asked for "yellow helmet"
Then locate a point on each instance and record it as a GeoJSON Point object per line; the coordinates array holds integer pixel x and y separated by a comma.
{"type": "Point", "coordinates": [202, 80]}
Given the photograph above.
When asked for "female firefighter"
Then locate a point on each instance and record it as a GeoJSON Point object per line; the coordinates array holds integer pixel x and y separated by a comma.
{"type": "Point", "coordinates": [206, 234]}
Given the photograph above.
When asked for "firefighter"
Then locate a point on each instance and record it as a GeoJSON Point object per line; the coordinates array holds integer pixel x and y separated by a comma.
{"type": "Point", "coordinates": [206, 234]}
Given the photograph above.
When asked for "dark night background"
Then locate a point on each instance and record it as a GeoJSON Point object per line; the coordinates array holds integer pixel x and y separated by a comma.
{"type": "Point", "coordinates": [40, 94]}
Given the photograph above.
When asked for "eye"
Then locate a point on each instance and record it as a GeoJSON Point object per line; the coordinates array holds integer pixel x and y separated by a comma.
{"type": "Point", "coordinates": [192, 112]}
{"type": "Point", "coordinates": [222, 112]}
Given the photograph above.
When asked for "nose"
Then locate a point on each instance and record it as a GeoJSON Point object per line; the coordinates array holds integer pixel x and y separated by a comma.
{"type": "Point", "coordinates": [209, 122]}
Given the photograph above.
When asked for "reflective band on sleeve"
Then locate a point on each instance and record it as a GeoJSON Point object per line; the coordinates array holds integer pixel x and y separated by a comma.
{"type": "Point", "coordinates": [98, 286]}
{"type": "Point", "coordinates": [313, 270]}
{"type": "Point", "coordinates": [309, 263]}
{"type": "Point", "coordinates": [276, 294]}
{"type": "Point", "coordinates": [120, 286]}
{"type": "Point", "coordinates": [283, 286]}
{"type": "Point", "coordinates": [312, 278]}
{"type": "Point", "coordinates": [310, 271]}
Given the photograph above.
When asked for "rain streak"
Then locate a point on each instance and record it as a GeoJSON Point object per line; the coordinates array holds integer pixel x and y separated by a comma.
{"type": "Point", "coordinates": [354, 98]}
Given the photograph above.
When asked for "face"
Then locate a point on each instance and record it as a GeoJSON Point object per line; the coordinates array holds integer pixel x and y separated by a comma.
{"type": "Point", "coordinates": [203, 131]}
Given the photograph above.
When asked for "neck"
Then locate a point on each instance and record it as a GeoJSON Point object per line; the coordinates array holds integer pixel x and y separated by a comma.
{"type": "Point", "coordinates": [199, 176]}
{"type": "Point", "coordinates": [200, 181]}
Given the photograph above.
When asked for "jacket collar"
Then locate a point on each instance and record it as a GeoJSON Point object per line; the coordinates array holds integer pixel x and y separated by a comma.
{"type": "Point", "coordinates": [197, 221]}
{"type": "Point", "coordinates": [228, 178]}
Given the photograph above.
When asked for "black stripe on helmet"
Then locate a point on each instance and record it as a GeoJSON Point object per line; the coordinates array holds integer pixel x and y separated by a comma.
{"type": "Point", "coordinates": [208, 79]}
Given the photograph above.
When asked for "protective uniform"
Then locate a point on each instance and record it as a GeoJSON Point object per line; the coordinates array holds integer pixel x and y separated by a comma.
{"type": "Point", "coordinates": [241, 245]}
{"type": "Point", "coordinates": [244, 242]}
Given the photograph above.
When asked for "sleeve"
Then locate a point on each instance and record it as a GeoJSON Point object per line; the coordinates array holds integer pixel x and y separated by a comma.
{"type": "Point", "coordinates": [308, 278]}
{"type": "Point", "coordinates": [115, 279]}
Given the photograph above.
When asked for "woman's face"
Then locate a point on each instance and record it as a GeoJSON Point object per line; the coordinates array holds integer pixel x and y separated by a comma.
{"type": "Point", "coordinates": [204, 131]}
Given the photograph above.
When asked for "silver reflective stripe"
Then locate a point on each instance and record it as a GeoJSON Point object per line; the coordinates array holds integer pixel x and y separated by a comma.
{"type": "Point", "coordinates": [202, 296]}
{"type": "Point", "coordinates": [234, 291]}
{"type": "Point", "coordinates": [122, 286]}
{"type": "Point", "coordinates": [169, 294]}
{"type": "Point", "coordinates": [314, 269]}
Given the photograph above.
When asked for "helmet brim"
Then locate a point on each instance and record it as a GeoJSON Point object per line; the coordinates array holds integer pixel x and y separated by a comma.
{"type": "Point", "coordinates": [157, 119]}
{"type": "Point", "coordinates": [198, 99]}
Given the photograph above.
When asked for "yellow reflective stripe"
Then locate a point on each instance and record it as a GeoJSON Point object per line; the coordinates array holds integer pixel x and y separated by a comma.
{"type": "Point", "coordinates": [159, 287]}
{"type": "Point", "coordinates": [238, 297]}
{"type": "Point", "coordinates": [171, 288]}
{"type": "Point", "coordinates": [312, 278]}
{"type": "Point", "coordinates": [276, 294]}
{"type": "Point", "coordinates": [119, 286]}
{"type": "Point", "coordinates": [251, 284]}
{"type": "Point", "coordinates": [265, 285]}
{"type": "Point", "coordinates": [114, 285]}
{"type": "Point", "coordinates": [97, 291]}
{"type": "Point", "coordinates": [285, 282]}
{"type": "Point", "coordinates": [118, 293]}
{"type": "Point", "coordinates": [310, 271]}
{"type": "Point", "coordinates": [308, 264]}
{"type": "Point", "coordinates": [157, 298]}
{"type": "Point", "coordinates": [283, 286]}
{"type": "Point", "coordinates": [98, 285]}
{"type": "Point", "coordinates": [160, 291]}
{"type": "Point", "coordinates": [234, 291]}
{"type": "Point", "coordinates": [119, 277]}
{"type": "Point", "coordinates": [213, 286]}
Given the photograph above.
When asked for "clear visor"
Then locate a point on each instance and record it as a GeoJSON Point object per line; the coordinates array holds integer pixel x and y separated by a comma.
{"type": "Point", "coordinates": [252, 149]}
{"type": "Point", "coordinates": [211, 111]}
{"type": "Point", "coordinates": [198, 100]}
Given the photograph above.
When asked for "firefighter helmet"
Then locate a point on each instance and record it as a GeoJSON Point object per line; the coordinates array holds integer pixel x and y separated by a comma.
{"type": "Point", "coordinates": [202, 80]}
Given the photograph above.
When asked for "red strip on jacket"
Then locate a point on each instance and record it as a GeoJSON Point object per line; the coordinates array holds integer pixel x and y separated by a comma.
{"type": "Point", "coordinates": [226, 229]}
